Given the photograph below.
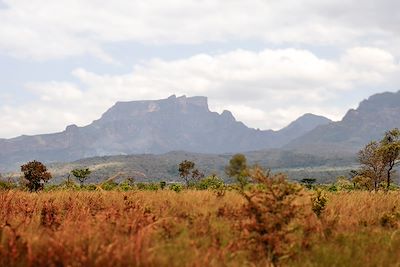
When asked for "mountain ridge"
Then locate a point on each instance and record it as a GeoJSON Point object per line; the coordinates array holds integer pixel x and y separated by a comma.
{"type": "Point", "coordinates": [152, 126]}
{"type": "Point", "coordinates": [369, 121]}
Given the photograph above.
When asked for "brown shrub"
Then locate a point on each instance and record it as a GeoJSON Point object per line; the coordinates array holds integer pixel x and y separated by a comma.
{"type": "Point", "coordinates": [272, 215]}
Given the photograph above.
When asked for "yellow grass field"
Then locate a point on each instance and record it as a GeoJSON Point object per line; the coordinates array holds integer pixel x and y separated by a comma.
{"type": "Point", "coordinates": [190, 228]}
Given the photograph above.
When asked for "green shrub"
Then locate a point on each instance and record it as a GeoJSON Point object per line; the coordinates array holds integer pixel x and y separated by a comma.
{"type": "Point", "coordinates": [7, 185]}
{"type": "Point", "coordinates": [332, 188]}
{"type": "Point", "coordinates": [69, 185]}
{"type": "Point", "coordinates": [125, 186]}
{"type": "Point", "coordinates": [90, 187]}
{"type": "Point", "coordinates": [211, 182]}
{"type": "Point", "coordinates": [176, 187]}
{"type": "Point", "coordinates": [51, 187]}
{"type": "Point", "coordinates": [141, 186]}
{"type": "Point", "coordinates": [108, 186]}
{"type": "Point", "coordinates": [308, 182]}
{"type": "Point", "coordinates": [163, 184]}
{"type": "Point", "coordinates": [342, 183]}
{"type": "Point", "coordinates": [147, 186]}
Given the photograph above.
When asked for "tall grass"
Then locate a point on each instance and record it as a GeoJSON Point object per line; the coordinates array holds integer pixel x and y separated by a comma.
{"type": "Point", "coordinates": [190, 228]}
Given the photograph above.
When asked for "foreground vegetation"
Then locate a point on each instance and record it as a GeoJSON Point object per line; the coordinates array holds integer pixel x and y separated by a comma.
{"type": "Point", "coordinates": [195, 228]}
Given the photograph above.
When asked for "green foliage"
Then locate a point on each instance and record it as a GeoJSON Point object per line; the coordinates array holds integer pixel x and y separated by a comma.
{"type": "Point", "coordinates": [89, 187]}
{"type": "Point", "coordinates": [147, 186]}
{"type": "Point", "coordinates": [308, 182]}
{"type": "Point", "coordinates": [109, 185]}
{"type": "Point", "coordinates": [81, 175]}
{"type": "Point", "coordinates": [238, 169]}
{"type": "Point", "coordinates": [319, 201]}
{"type": "Point", "coordinates": [372, 164]}
{"type": "Point", "coordinates": [332, 188]}
{"type": "Point", "coordinates": [390, 152]}
{"type": "Point", "coordinates": [189, 174]}
{"type": "Point", "coordinates": [163, 184]}
{"type": "Point", "coordinates": [378, 159]}
{"type": "Point", "coordinates": [344, 184]}
{"type": "Point", "coordinates": [7, 185]}
{"type": "Point", "coordinates": [176, 187]}
{"type": "Point", "coordinates": [36, 175]}
{"type": "Point", "coordinates": [211, 182]}
{"type": "Point", "coordinates": [125, 186]}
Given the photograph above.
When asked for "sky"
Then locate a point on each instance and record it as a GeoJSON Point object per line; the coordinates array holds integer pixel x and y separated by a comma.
{"type": "Point", "coordinates": [66, 62]}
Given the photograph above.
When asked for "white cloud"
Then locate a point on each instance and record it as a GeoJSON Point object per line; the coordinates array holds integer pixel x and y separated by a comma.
{"type": "Point", "coordinates": [48, 29]}
{"type": "Point", "coordinates": [266, 89]}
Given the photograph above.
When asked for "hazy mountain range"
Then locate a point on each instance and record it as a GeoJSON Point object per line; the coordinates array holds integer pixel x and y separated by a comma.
{"type": "Point", "coordinates": [151, 129]}
{"type": "Point", "coordinates": [160, 126]}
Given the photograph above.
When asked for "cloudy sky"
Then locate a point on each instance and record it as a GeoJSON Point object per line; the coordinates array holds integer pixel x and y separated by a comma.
{"type": "Point", "coordinates": [67, 61]}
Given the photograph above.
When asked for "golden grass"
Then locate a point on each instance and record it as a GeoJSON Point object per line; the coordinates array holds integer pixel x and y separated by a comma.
{"type": "Point", "coordinates": [164, 228]}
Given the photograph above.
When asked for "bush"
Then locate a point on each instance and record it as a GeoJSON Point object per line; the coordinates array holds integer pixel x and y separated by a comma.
{"type": "Point", "coordinates": [332, 188]}
{"type": "Point", "coordinates": [270, 215]}
{"type": "Point", "coordinates": [108, 186]}
{"type": "Point", "coordinates": [125, 186]}
{"type": "Point", "coordinates": [7, 185]}
{"type": "Point", "coordinates": [211, 182]}
{"type": "Point", "coordinates": [147, 186]}
{"type": "Point", "coordinates": [319, 201]}
{"type": "Point", "coordinates": [343, 183]}
{"type": "Point", "coordinates": [163, 184]}
{"type": "Point", "coordinates": [89, 187]}
{"type": "Point", "coordinates": [176, 187]}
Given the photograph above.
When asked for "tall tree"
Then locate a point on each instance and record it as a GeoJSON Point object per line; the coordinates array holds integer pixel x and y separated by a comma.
{"type": "Point", "coordinates": [238, 169]}
{"type": "Point", "coordinates": [372, 165]}
{"type": "Point", "coordinates": [379, 159]}
{"type": "Point", "coordinates": [390, 152]}
{"type": "Point", "coordinates": [36, 175]}
{"type": "Point", "coordinates": [188, 172]}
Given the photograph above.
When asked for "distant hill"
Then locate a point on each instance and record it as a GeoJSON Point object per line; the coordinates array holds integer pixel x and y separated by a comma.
{"type": "Point", "coordinates": [154, 126]}
{"type": "Point", "coordinates": [164, 167]}
{"type": "Point", "coordinates": [374, 116]}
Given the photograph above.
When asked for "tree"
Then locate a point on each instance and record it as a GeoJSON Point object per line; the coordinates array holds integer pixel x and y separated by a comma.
{"type": "Point", "coordinates": [36, 175]}
{"type": "Point", "coordinates": [238, 169]}
{"type": "Point", "coordinates": [188, 173]}
{"type": "Point", "coordinates": [378, 159]}
{"type": "Point", "coordinates": [308, 182]}
{"type": "Point", "coordinates": [81, 175]}
{"type": "Point", "coordinates": [372, 164]}
{"type": "Point", "coordinates": [390, 152]}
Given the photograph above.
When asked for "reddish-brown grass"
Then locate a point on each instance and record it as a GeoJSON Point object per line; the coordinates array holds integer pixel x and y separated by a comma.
{"type": "Point", "coordinates": [190, 228]}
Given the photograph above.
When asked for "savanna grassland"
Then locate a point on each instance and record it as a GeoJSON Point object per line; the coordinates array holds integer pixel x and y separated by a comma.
{"type": "Point", "coordinates": [289, 226]}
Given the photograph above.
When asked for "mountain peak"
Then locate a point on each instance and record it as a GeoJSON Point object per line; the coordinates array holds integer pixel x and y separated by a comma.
{"type": "Point", "coordinates": [368, 122]}
{"type": "Point", "coordinates": [228, 115]}
{"type": "Point", "coordinates": [308, 121]}
{"type": "Point", "coordinates": [129, 109]}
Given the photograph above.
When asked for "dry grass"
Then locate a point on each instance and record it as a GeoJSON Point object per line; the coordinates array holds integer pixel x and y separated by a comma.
{"type": "Point", "coordinates": [191, 228]}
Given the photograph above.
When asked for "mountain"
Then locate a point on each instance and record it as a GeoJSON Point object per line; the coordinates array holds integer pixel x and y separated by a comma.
{"type": "Point", "coordinates": [374, 116]}
{"type": "Point", "coordinates": [153, 126]}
